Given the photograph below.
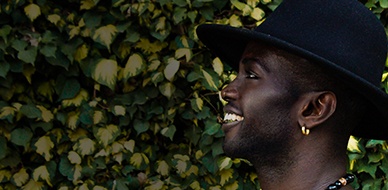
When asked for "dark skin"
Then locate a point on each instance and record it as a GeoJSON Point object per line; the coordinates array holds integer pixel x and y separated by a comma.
{"type": "Point", "coordinates": [269, 135]}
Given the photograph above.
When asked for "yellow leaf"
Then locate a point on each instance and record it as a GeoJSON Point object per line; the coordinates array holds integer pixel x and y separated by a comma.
{"type": "Point", "coordinates": [97, 117]}
{"type": "Point", "coordinates": [192, 170]}
{"type": "Point", "coordinates": [72, 120]}
{"type": "Point", "coordinates": [97, 187]}
{"type": "Point", "coordinates": [106, 72]}
{"type": "Point", "coordinates": [81, 52]}
{"type": "Point", "coordinates": [103, 153]}
{"type": "Point", "coordinates": [171, 68]}
{"type": "Point", "coordinates": [167, 89]}
{"type": "Point", "coordinates": [185, 42]}
{"type": "Point", "coordinates": [46, 89]}
{"type": "Point", "coordinates": [118, 157]}
{"type": "Point", "coordinates": [117, 147]}
{"type": "Point", "coordinates": [232, 186]}
{"type": "Point", "coordinates": [32, 11]}
{"type": "Point", "coordinates": [47, 116]}
{"type": "Point", "coordinates": [32, 184]}
{"type": "Point", "coordinates": [218, 66]}
{"type": "Point", "coordinates": [163, 168]}
{"type": "Point", "coordinates": [77, 100]}
{"type": "Point", "coordinates": [21, 177]}
{"type": "Point", "coordinates": [183, 52]}
{"type": "Point", "coordinates": [42, 172]}
{"type": "Point", "coordinates": [138, 158]}
{"type": "Point", "coordinates": [119, 110]}
{"type": "Point", "coordinates": [134, 66]}
{"type": "Point", "coordinates": [225, 163]}
{"type": "Point", "coordinates": [105, 34]}
{"type": "Point", "coordinates": [225, 175]}
{"type": "Point", "coordinates": [149, 47]}
{"type": "Point", "coordinates": [28, 71]}
{"type": "Point", "coordinates": [77, 134]}
{"type": "Point", "coordinates": [130, 145]}
{"type": "Point", "coordinates": [54, 18]}
{"type": "Point", "coordinates": [156, 185]}
{"type": "Point", "coordinates": [209, 80]}
{"type": "Point", "coordinates": [199, 103]}
{"type": "Point", "coordinates": [257, 14]}
{"type": "Point", "coordinates": [87, 4]}
{"type": "Point", "coordinates": [106, 134]}
{"type": "Point", "coordinates": [195, 185]}
{"type": "Point", "coordinates": [6, 111]}
{"type": "Point", "coordinates": [5, 174]}
{"type": "Point", "coordinates": [43, 147]}
{"type": "Point", "coordinates": [74, 30]}
{"type": "Point", "coordinates": [74, 158]}
{"type": "Point", "coordinates": [77, 172]}
{"type": "Point", "coordinates": [234, 21]}
{"type": "Point", "coordinates": [217, 187]}
{"type": "Point", "coordinates": [353, 145]}
{"type": "Point", "coordinates": [181, 166]}
{"type": "Point", "coordinates": [85, 146]}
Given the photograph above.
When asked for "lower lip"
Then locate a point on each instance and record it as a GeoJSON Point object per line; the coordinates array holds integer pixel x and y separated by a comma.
{"type": "Point", "coordinates": [228, 126]}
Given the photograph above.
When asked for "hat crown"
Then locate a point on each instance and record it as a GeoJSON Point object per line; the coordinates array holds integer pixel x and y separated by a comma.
{"type": "Point", "coordinates": [341, 31]}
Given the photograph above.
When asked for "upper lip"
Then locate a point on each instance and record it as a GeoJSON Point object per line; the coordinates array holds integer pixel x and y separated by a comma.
{"type": "Point", "coordinates": [232, 109]}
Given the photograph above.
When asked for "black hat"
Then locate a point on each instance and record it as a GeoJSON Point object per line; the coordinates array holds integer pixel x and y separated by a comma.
{"type": "Point", "coordinates": [342, 36]}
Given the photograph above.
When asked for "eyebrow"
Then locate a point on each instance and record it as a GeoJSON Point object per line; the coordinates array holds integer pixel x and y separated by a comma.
{"type": "Point", "coordinates": [257, 61]}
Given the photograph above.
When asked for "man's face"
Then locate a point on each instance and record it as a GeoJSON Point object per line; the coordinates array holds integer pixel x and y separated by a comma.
{"type": "Point", "coordinates": [260, 114]}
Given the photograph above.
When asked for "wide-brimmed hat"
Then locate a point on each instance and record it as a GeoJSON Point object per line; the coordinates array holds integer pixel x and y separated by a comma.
{"type": "Point", "coordinates": [342, 36]}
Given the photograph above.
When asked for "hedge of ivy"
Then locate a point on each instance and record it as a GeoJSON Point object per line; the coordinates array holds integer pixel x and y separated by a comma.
{"type": "Point", "coordinates": [121, 94]}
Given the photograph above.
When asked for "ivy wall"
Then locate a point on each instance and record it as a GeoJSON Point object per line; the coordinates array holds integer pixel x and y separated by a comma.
{"type": "Point", "coordinates": [120, 94]}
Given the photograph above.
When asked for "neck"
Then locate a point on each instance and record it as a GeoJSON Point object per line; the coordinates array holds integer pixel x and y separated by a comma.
{"type": "Point", "coordinates": [312, 167]}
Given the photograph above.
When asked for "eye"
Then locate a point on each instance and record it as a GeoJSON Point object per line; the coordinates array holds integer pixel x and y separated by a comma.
{"type": "Point", "coordinates": [251, 75]}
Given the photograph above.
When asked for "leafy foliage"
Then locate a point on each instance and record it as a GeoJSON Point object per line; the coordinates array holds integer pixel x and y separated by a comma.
{"type": "Point", "coordinates": [122, 95]}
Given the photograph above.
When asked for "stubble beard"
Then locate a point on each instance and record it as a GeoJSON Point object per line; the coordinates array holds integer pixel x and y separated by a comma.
{"type": "Point", "coordinates": [266, 149]}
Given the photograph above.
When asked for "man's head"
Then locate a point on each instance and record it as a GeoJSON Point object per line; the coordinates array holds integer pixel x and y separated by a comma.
{"type": "Point", "coordinates": [274, 95]}
{"type": "Point", "coordinates": [342, 37]}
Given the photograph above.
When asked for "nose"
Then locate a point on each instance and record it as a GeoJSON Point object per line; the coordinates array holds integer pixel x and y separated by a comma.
{"type": "Point", "coordinates": [230, 92]}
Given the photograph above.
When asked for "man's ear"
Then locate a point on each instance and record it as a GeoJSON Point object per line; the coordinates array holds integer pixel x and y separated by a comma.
{"type": "Point", "coordinates": [316, 108]}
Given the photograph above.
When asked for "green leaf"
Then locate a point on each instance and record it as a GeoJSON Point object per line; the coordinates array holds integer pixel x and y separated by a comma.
{"type": "Point", "coordinates": [135, 65]}
{"type": "Point", "coordinates": [171, 68]}
{"type": "Point", "coordinates": [21, 136]}
{"type": "Point", "coordinates": [48, 50]}
{"type": "Point", "coordinates": [3, 147]}
{"type": "Point", "coordinates": [43, 147]}
{"type": "Point", "coordinates": [32, 11]}
{"type": "Point", "coordinates": [4, 68]}
{"type": "Point", "coordinates": [70, 89]}
{"type": "Point", "coordinates": [28, 55]}
{"type": "Point", "coordinates": [169, 132]}
{"type": "Point", "coordinates": [105, 73]}
{"type": "Point", "coordinates": [384, 3]}
{"type": "Point", "coordinates": [141, 126]}
{"type": "Point", "coordinates": [4, 32]}
{"type": "Point", "coordinates": [30, 111]}
{"type": "Point", "coordinates": [105, 35]}
{"type": "Point", "coordinates": [211, 127]}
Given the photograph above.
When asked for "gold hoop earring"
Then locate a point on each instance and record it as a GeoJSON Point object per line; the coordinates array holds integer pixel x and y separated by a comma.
{"type": "Point", "coordinates": [305, 131]}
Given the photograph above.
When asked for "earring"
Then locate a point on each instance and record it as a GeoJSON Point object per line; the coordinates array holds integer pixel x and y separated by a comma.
{"type": "Point", "coordinates": [305, 131]}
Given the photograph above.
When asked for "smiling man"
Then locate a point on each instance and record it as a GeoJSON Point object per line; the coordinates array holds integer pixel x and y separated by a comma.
{"type": "Point", "coordinates": [308, 78]}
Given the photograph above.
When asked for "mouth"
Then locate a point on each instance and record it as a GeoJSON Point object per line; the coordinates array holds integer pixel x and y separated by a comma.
{"type": "Point", "coordinates": [232, 117]}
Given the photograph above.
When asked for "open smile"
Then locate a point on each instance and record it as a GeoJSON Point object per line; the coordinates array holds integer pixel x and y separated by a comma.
{"type": "Point", "coordinates": [230, 121]}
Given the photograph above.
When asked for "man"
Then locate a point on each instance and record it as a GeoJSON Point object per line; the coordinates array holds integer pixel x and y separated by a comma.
{"type": "Point", "coordinates": [308, 78]}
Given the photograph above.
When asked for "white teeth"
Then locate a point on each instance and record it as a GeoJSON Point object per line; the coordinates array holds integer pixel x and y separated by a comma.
{"type": "Point", "coordinates": [231, 117]}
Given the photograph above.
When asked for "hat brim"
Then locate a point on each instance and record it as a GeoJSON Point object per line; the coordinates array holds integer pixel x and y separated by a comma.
{"type": "Point", "coordinates": [228, 43]}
